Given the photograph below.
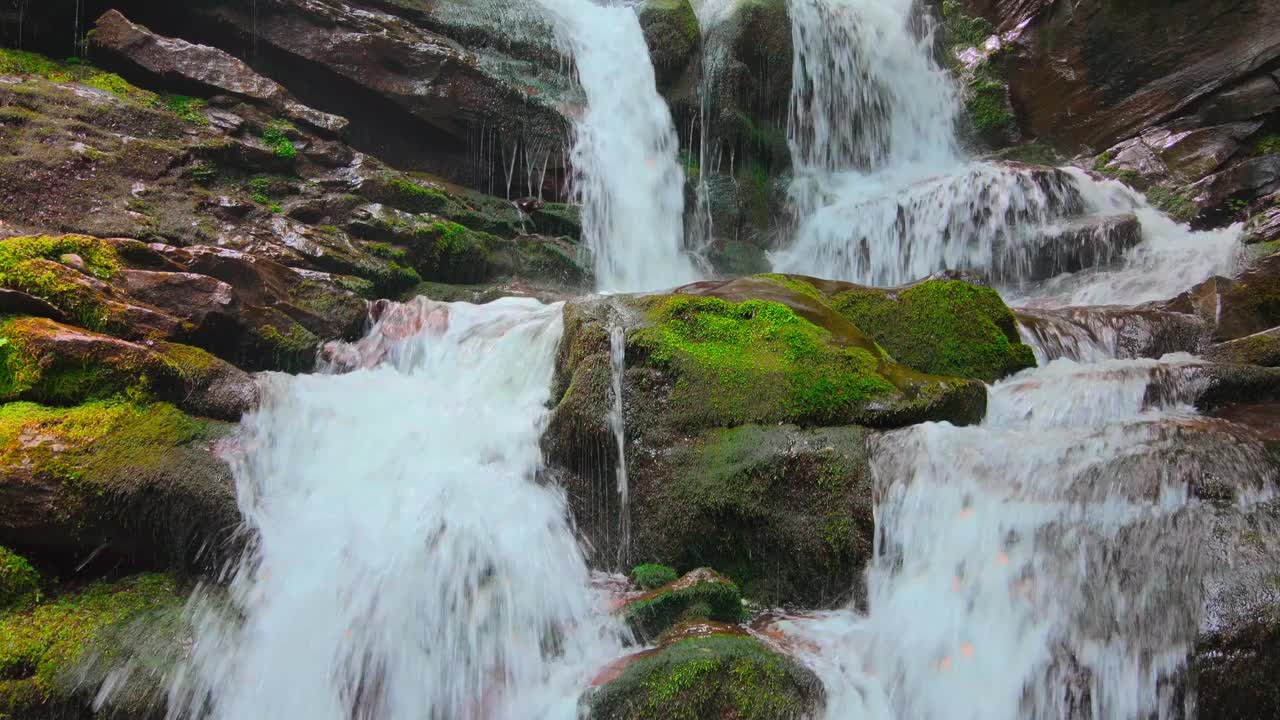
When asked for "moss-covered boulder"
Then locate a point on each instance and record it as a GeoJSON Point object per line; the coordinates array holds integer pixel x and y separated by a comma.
{"type": "Point", "coordinates": [141, 480]}
{"type": "Point", "coordinates": [1258, 349]}
{"type": "Point", "coordinates": [651, 576]}
{"type": "Point", "coordinates": [1237, 307]}
{"type": "Point", "coordinates": [941, 327]}
{"type": "Point", "coordinates": [43, 648]}
{"type": "Point", "coordinates": [717, 677]}
{"type": "Point", "coordinates": [700, 594]}
{"type": "Point", "coordinates": [19, 582]}
{"type": "Point", "coordinates": [673, 35]}
{"type": "Point", "coordinates": [45, 361]}
{"type": "Point", "coordinates": [741, 401]}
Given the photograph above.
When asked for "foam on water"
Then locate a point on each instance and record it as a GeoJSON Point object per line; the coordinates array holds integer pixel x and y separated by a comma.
{"type": "Point", "coordinates": [406, 562]}
{"type": "Point", "coordinates": [626, 175]}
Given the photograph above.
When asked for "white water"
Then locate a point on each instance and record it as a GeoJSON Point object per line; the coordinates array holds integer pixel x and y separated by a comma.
{"type": "Point", "coordinates": [626, 175]}
{"type": "Point", "coordinates": [618, 424]}
{"type": "Point", "coordinates": [407, 563]}
{"type": "Point", "coordinates": [883, 194]}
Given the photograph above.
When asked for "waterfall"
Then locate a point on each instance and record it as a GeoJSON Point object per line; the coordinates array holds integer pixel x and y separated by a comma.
{"type": "Point", "coordinates": [884, 195]}
{"type": "Point", "coordinates": [618, 424]}
{"type": "Point", "coordinates": [625, 172]}
{"type": "Point", "coordinates": [1048, 562]}
{"type": "Point", "coordinates": [407, 564]}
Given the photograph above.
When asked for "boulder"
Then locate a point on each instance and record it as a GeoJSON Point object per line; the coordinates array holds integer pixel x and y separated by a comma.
{"type": "Point", "coordinates": [1264, 226]}
{"type": "Point", "coordinates": [1253, 97]}
{"type": "Point", "coordinates": [1261, 348]}
{"type": "Point", "coordinates": [713, 677]}
{"type": "Point", "coordinates": [198, 68]}
{"type": "Point", "coordinates": [1091, 242]}
{"type": "Point", "coordinates": [1235, 308]}
{"type": "Point", "coordinates": [671, 30]}
{"type": "Point", "coordinates": [700, 594]}
{"type": "Point", "coordinates": [1087, 334]}
{"type": "Point", "coordinates": [1248, 179]}
{"type": "Point", "coordinates": [138, 480]}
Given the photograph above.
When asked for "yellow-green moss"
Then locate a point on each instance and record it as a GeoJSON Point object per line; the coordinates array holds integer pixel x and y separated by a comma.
{"type": "Point", "coordinates": [1268, 145]}
{"type": "Point", "coordinates": [19, 582]}
{"type": "Point", "coordinates": [755, 361]}
{"type": "Point", "coordinates": [188, 108]}
{"type": "Point", "coordinates": [719, 676]}
{"type": "Point", "coordinates": [31, 265]}
{"type": "Point", "coordinates": [39, 645]}
{"type": "Point", "coordinates": [90, 443]}
{"type": "Point", "coordinates": [941, 327]}
{"type": "Point", "coordinates": [18, 62]}
{"type": "Point", "coordinates": [99, 256]}
{"type": "Point", "coordinates": [276, 136]}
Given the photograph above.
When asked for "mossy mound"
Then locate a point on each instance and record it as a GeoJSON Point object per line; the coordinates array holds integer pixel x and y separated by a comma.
{"type": "Point", "coordinates": [651, 576]}
{"type": "Point", "coordinates": [42, 645]}
{"type": "Point", "coordinates": [718, 677]}
{"type": "Point", "coordinates": [673, 35]}
{"type": "Point", "coordinates": [941, 327]}
{"type": "Point", "coordinates": [37, 265]}
{"type": "Point", "coordinates": [136, 478]}
{"type": "Point", "coordinates": [702, 594]}
{"type": "Point", "coordinates": [19, 582]}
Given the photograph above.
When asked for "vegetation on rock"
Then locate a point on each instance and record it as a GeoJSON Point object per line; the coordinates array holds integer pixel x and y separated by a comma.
{"type": "Point", "coordinates": [717, 677]}
{"type": "Point", "coordinates": [651, 576]}
{"type": "Point", "coordinates": [700, 594]}
{"type": "Point", "coordinates": [19, 582]}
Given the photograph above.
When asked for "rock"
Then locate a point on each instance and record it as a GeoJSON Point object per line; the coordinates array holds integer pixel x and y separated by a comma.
{"type": "Point", "coordinates": [1092, 242]}
{"type": "Point", "coordinates": [1224, 385]}
{"type": "Point", "coordinates": [1258, 349]}
{"type": "Point", "coordinates": [1264, 226]}
{"type": "Point", "coordinates": [1251, 178]}
{"type": "Point", "coordinates": [1192, 154]}
{"type": "Point", "coordinates": [674, 38]}
{"type": "Point", "coordinates": [199, 68]}
{"type": "Point", "coordinates": [940, 327]}
{"type": "Point", "coordinates": [1237, 654]}
{"type": "Point", "coordinates": [48, 644]}
{"type": "Point", "coordinates": [700, 594]}
{"type": "Point", "coordinates": [1087, 334]}
{"type": "Point", "coordinates": [717, 677]}
{"type": "Point", "coordinates": [1251, 98]}
{"type": "Point", "coordinates": [651, 576]}
{"type": "Point", "coordinates": [14, 302]}
{"type": "Point", "coordinates": [1093, 74]}
{"type": "Point", "coordinates": [1238, 307]}
{"type": "Point", "coordinates": [138, 480]}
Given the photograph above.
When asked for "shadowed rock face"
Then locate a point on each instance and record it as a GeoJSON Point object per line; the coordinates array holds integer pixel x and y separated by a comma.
{"type": "Point", "coordinates": [1087, 75]}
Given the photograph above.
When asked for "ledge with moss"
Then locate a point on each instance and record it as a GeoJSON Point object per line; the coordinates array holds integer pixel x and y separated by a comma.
{"type": "Point", "coordinates": [42, 646]}
{"type": "Point", "coordinates": [139, 479]}
{"type": "Point", "coordinates": [700, 594]}
{"type": "Point", "coordinates": [19, 582]}
{"type": "Point", "coordinates": [717, 677]}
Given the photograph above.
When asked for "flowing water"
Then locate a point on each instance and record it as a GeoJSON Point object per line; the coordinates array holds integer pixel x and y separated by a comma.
{"type": "Point", "coordinates": [626, 175]}
{"type": "Point", "coordinates": [407, 563]}
{"type": "Point", "coordinates": [1048, 562]}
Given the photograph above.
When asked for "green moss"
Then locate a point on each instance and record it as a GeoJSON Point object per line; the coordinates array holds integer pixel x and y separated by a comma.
{"type": "Point", "coordinates": [18, 62]}
{"type": "Point", "coordinates": [1268, 145]}
{"type": "Point", "coordinates": [651, 576]}
{"type": "Point", "coordinates": [29, 264]}
{"type": "Point", "coordinates": [404, 194]}
{"type": "Point", "coordinates": [713, 598]}
{"type": "Point", "coordinates": [188, 108]}
{"type": "Point", "coordinates": [755, 361]}
{"type": "Point", "coordinates": [1174, 202]}
{"type": "Point", "coordinates": [276, 136]}
{"type": "Point", "coordinates": [963, 31]}
{"type": "Point", "coordinates": [201, 173]}
{"type": "Point", "coordinates": [941, 327]}
{"type": "Point", "coordinates": [189, 363]}
{"type": "Point", "coordinates": [19, 582]}
{"type": "Point", "coordinates": [386, 250]}
{"type": "Point", "coordinates": [449, 252]}
{"type": "Point", "coordinates": [289, 347]}
{"type": "Point", "coordinates": [718, 676]}
{"type": "Point", "coordinates": [987, 103]}
{"type": "Point", "coordinates": [39, 646]}
{"type": "Point", "coordinates": [98, 255]}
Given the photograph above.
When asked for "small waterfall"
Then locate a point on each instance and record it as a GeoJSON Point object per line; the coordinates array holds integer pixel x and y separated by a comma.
{"type": "Point", "coordinates": [715, 55]}
{"type": "Point", "coordinates": [617, 423]}
{"type": "Point", "coordinates": [626, 175]}
{"type": "Point", "coordinates": [406, 563]}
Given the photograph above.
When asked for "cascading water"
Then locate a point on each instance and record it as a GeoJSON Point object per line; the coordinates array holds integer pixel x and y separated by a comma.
{"type": "Point", "coordinates": [1047, 563]}
{"type": "Point", "coordinates": [407, 564]}
{"type": "Point", "coordinates": [617, 423]}
{"type": "Point", "coordinates": [626, 175]}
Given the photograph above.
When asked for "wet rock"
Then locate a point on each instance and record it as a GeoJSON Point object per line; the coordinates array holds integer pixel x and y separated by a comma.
{"type": "Point", "coordinates": [1264, 226]}
{"type": "Point", "coordinates": [700, 594]}
{"type": "Point", "coordinates": [1088, 334]}
{"type": "Point", "coordinates": [1238, 307]}
{"type": "Point", "coordinates": [1192, 154]}
{"type": "Point", "coordinates": [137, 480]}
{"type": "Point", "coordinates": [208, 70]}
{"type": "Point", "coordinates": [1094, 74]}
{"type": "Point", "coordinates": [15, 302]}
{"type": "Point", "coordinates": [1091, 242]}
{"type": "Point", "coordinates": [1251, 178]}
{"type": "Point", "coordinates": [716, 677]}
{"type": "Point", "coordinates": [1258, 349]}
{"type": "Point", "coordinates": [1225, 385]}
{"type": "Point", "coordinates": [1251, 98]}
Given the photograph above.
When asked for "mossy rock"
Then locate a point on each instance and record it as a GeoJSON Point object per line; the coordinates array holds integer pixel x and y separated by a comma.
{"type": "Point", "coordinates": [700, 594]}
{"type": "Point", "coordinates": [651, 576]}
{"type": "Point", "coordinates": [35, 265]}
{"type": "Point", "coordinates": [941, 327]}
{"type": "Point", "coordinates": [139, 479]}
{"type": "Point", "coordinates": [44, 646]}
{"type": "Point", "coordinates": [719, 677]}
{"type": "Point", "coordinates": [19, 582]}
{"type": "Point", "coordinates": [672, 32]}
